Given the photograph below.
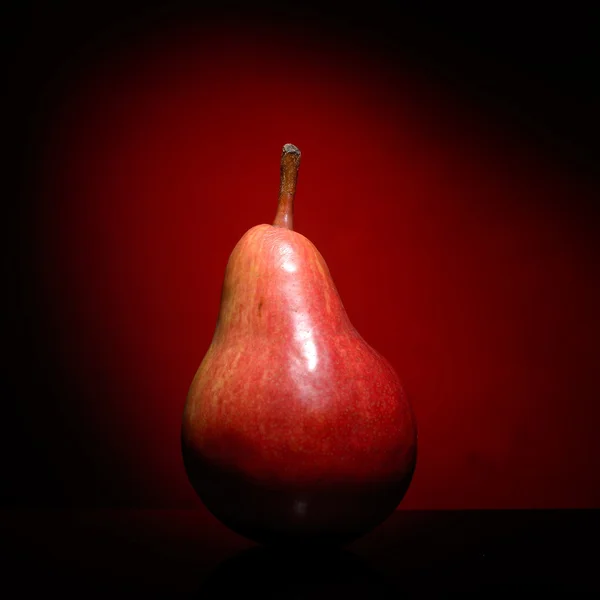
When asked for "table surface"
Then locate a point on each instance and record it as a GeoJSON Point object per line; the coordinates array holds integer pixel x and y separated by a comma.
{"type": "Point", "coordinates": [189, 554]}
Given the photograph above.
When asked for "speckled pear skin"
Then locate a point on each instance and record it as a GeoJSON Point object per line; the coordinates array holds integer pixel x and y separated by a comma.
{"type": "Point", "coordinates": [294, 430]}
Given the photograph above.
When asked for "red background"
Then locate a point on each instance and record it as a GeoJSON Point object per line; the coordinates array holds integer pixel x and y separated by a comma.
{"type": "Point", "coordinates": [461, 253]}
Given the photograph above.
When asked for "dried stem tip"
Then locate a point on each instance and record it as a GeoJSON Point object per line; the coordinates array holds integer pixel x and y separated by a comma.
{"type": "Point", "coordinates": [290, 163]}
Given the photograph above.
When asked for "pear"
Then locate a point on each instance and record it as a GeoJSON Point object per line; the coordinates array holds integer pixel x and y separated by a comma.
{"type": "Point", "coordinates": [294, 429]}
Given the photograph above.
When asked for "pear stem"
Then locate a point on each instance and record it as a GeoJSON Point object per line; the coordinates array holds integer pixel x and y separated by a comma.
{"type": "Point", "coordinates": [290, 163]}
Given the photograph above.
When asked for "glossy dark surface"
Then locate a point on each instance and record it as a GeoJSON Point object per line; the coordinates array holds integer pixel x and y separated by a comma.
{"type": "Point", "coordinates": [189, 554]}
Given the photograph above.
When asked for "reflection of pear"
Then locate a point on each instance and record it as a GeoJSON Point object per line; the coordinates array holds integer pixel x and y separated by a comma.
{"type": "Point", "coordinates": [294, 427]}
{"type": "Point", "coordinates": [261, 573]}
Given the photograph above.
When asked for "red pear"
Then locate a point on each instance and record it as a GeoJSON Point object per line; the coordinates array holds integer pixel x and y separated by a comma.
{"type": "Point", "coordinates": [294, 429]}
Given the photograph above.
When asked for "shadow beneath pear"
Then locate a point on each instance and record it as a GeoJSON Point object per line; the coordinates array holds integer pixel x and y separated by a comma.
{"type": "Point", "coordinates": [275, 573]}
